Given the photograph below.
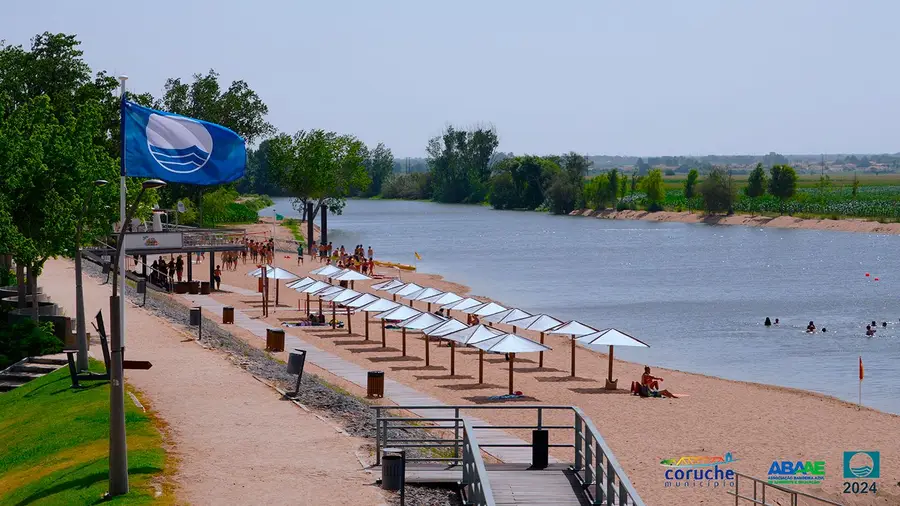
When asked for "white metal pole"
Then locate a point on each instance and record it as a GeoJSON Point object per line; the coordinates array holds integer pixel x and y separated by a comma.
{"type": "Point", "coordinates": [122, 194]}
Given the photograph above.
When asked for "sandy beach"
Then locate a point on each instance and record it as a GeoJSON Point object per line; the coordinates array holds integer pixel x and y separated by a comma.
{"type": "Point", "coordinates": [757, 423]}
{"type": "Point", "coordinates": [748, 220]}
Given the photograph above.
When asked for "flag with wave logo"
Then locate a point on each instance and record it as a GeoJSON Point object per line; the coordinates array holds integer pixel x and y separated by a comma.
{"type": "Point", "coordinates": [178, 149]}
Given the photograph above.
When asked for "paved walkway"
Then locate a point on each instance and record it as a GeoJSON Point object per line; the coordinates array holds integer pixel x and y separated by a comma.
{"type": "Point", "coordinates": [394, 391]}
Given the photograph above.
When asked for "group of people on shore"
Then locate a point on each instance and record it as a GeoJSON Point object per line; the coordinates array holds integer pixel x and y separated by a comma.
{"type": "Point", "coordinates": [259, 251]}
{"type": "Point", "coordinates": [343, 258]}
{"type": "Point", "coordinates": [165, 273]}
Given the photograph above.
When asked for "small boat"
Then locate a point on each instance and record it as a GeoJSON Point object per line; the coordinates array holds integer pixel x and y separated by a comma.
{"type": "Point", "coordinates": [405, 267]}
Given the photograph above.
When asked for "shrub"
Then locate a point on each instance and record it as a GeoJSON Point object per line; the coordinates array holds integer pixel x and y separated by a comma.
{"type": "Point", "coordinates": [718, 191]}
{"type": "Point", "coordinates": [654, 207]}
{"type": "Point", "coordinates": [503, 192]}
{"type": "Point", "coordinates": [25, 339]}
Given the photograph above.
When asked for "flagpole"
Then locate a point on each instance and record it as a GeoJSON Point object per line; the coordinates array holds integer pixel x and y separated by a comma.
{"type": "Point", "coordinates": [123, 191]}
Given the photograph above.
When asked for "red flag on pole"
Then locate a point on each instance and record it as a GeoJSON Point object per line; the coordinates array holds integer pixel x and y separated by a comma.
{"type": "Point", "coordinates": [860, 368]}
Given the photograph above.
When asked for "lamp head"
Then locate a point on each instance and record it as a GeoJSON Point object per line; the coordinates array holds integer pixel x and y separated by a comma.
{"type": "Point", "coordinates": [101, 182]}
{"type": "Point", "coordinates": [152, 183]}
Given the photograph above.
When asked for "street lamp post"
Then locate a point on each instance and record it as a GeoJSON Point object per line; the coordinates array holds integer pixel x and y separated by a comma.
{"type": "Point", "coordinates": [118, 449]}
{"type": "Point", "coordinates": [81, 335]}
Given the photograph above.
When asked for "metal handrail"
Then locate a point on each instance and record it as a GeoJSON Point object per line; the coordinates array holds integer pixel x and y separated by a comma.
{"type": "Point", "coordinates": [475, 479]}
{"type": "Point", "coordinates": [598, 471]}
{"type": "Point", "coordinates": [794, 495]}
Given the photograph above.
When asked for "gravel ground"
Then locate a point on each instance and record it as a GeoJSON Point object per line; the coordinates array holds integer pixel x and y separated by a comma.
{"type": "Point", "coordinates": [352, 412]}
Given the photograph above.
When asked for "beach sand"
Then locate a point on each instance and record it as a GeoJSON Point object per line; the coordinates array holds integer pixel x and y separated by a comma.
{"type": "Point", "coordinates": [757, 423]}
{"type": "Point", "coordinates": [842, 225]}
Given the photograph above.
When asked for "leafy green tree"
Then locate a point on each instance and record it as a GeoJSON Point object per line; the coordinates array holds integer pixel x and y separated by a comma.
{"type": "Point", "coordinates": [576, 167]}
{"type": "Point", "coordinates": [504, 194]}
{"type": "Point", "coordinates": [319, 167]}
{"type": "Point", "coordinates": [379, 165]}
{"type": "Point", "coordinates": [690, 183]}
{"type": "Point", "coordinates": [756, 183]}
{"type": "Point", "coordinates": [613, 189]}
{"type": "Point", "coordinates": [460, 163]}
{"type": "Point", "coordinates": [718, 191]}
{"type": "Point", "coordinates": [655, 188]}
{"type": "Point", "coordinates": [530, 176]}
{"type": "Point", "coordinates": [258, 178]}
{"type": "Point", "coordinates": [782, 182]}
{"type": "Point", "coordinates": [562, 194]}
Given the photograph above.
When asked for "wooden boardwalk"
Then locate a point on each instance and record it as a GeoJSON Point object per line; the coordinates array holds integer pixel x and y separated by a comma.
{"type": "Point", "coordinates": [394, 391]}
{"type": "Point", "coordinates": [512, 484]}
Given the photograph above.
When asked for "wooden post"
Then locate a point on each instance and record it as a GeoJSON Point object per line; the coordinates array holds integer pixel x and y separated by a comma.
{"type": "Point", "coordinates": [427, 354]}
{"type": "Point", "coordinates": [429, 307]}
{"type": "Point", "coordinates": [512, 358]}
{"type": "Point", "coordinates": [541, 354]}
{"type": "Point", "coordinates": [573, 356]}
{"type": "Point", "coordinates": [349, 322]}
{"type": "Point", "coordinates": [404, 341]}
{"type": "Point", "coordinates": [366, 320]}
{"type": "Point", "coordinates": [480, 366]}
{"type": "Point", "coordinates": [452, 358]}
{"type": "Point", "coordinates": [307, 303]}
{"type": "Point", "coordinates": [333, 316]}
{"type": "Point", "coordinates": [320, 305]}
{"type": "Point", "coordinates": [277, 285]}
{"type": "Point", "coordinates": [383, 336]}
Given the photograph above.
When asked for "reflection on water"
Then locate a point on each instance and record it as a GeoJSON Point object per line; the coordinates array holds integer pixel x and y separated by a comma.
{"type": "Point", "coordinates": [698, 294]}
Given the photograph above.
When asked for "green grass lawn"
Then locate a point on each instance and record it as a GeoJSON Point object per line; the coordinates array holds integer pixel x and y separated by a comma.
{"type": "Point", "coordinates": [56, 442]}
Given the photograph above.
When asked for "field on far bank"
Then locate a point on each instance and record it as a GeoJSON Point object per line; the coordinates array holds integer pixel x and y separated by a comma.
{"type": "Point", "coordinates": [838, 179]}
{"type": "Point", "coordinates": [57, 444]}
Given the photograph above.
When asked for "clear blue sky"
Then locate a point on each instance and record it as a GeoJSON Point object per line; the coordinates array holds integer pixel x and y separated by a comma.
{"type": "Point", "coordinates": [598, 77]}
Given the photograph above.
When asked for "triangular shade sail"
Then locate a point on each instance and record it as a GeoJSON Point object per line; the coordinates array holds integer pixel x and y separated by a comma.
{"type": "Point", "coordinates": [474, 333]}
{"type": "Point", "coordinates": [273, 273]}
{"type": "Point", "coordinates": [404, 290]}
{"type": "Point", "coordinates": [488, 308]}
{"type": "Point", "coordinates": [387, 285]}
{"type": "Point", "coordinates": [538, 322]}
{"type": "Point", "coordinates": [330, 291]}
{"type": "Point", "coordinates": [421, 321]}
{"type": "Point", "coordinates": [398, 313]}
{"type": "Point", "coordinates": [313, 288]}
{"type": "Point", "coordinates": [442, 329]}
{"type": "Point", "coordinates": [610, 337]}
{"type": "Point", "coordinates": [300, 283]}
{"type": "Point", "coordinates": [327, 271]}
{"type": "Point", "coordinates": [443, 299]}
{"type": "Point", "coordinates": [424, 294]}
{"type": "Point", "coordinates": [380, 306]}
{"type": "Point", "coordinates": [351, 275]}
{"type": "Point", "coordinates": [573, 328]}
{"type": "Point", "coordinates": [363, 300]}
{"type": "Point", "coordinates": [342, 296]}
{"type": "Point", "coordinates": [506, 316]}
{"type": "Point", "coordinates": [509, 343]}
{"type": "Point", "coordinates": [463, 304]}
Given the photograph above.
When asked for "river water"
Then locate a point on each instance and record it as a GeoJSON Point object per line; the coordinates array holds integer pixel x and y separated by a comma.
{"type": "Point", "coordinates": [697, 294]}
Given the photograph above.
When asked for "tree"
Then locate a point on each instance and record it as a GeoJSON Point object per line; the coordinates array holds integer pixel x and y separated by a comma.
{"type": "Point", "coordinates": [530, 176]}
{"type": "Point", "coordinates": [756, 183]}
{"type": "Point", "coordinates": [379, 165]}
{"type": "Point", "coordinates": [690, 183]}
{"type": "Point", "coordinates": [783, 182]}
{"type": "Point", "coordinates": [613, 190]}
{"type": "Point", "coordinates": [460, 163]}
{"type": "Point", "coordinates": [575, 168]}
{"type": "Point", "coordinates": [319, 167]}
{"type": "Point", "coordinates": [655, 189]}
{"type": "Point", "coordinates": [562, 194]}
{"type": "Point", "coordinates": [717, 191]}
{"type": "Point", "coordinates": [504, 194]}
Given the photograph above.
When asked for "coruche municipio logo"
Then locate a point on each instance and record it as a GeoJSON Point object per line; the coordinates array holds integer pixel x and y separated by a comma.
{"type": "Point", "coordinates": [179, 145]}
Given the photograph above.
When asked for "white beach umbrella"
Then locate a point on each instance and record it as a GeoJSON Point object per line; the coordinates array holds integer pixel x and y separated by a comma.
{"type": "Point", "coordinates": [610, 337]}
{"type": "Point", "coordinates": [463, 304]}
{"type": "Point", "coordinates": [326, 271]}
{"type": "Point", "coordinates": [421, 321]}
{"type": "Point", "coordinates": [440, 330]}
{"type": "Point", "coordinates": [351, 275]}
{"type": "Point", "coordinates": [387, 285]}
{"type": "Point", "coordinates": [378, 306]}
{"type": "Point", "coordinates": [506, 317]}
{"type": "Point", "coordinates": [486, 309]}
{"type": "Point", "coordinates": [311, 289]}
{"type": "Point", "coordinates": [276, 273]}
{"type": "Point", "coordinates": [423, 294]}
{"type": "Point", "coordinates": [443, 299]}
{"type": "Point", "coordinates": [399, 313]}
{"type": "Point", "coordinates": [363, 300]}
{"type": "Point", "coordinates": [538, 323]}
{"type": "Point", "coordinates": [507, 343]}
{"type": "Point", "coordinates": [465, 336]}
{"type": "Point", "coordinates": [341, 298]}
{"type": "Point", "coordinates": [306, 281]}
{"type": "Point", "coordinates": [574, 329]}
{"type": "Point", "coordinates": [404, 290]}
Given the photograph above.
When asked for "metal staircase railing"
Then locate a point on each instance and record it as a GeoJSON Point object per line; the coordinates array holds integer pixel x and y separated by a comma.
{"type": "Point", "coordinates": [476, 486]}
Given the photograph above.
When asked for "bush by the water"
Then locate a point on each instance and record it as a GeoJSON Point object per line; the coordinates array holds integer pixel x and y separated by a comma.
{"type": "Point", "coordinates": [26, 339]}
{"type": "Point", "coordinates": [414, 186]}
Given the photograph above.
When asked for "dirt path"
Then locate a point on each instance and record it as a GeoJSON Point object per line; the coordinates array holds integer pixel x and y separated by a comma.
{"type": "Point", "coordinates": [236, 441]}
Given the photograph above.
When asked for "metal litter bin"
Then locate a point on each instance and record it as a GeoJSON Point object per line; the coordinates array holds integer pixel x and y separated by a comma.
{"type": "Point", "coordinates": [540, 448]}
{"type": "Point", "coordinates": [228, 314]}
{"type": "Point", "coordinates": [195, 316]}
{"type": "Point", "coordinates": [375, 384]}
{"type": "Point", "coordinates": [393, 469]}
{"type": "Point", "coordinates": [142, 286]}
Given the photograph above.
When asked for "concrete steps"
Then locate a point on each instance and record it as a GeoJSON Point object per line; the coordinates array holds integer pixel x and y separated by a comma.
{"type": "Point", "coordinates": [28, 369]}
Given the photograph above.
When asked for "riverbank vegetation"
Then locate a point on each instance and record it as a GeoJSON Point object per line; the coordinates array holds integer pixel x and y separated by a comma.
{"type": "Point", "coordinates": [57, 449]}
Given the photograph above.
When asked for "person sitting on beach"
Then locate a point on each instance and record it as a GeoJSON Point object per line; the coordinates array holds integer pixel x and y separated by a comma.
{"type": "Point", "coordinates": [811, 327]}
{"type": "Point", "coordinates": [768, 322]}
{"type": "Point", "coordinates": [650, 381]}
{"type": "Point", "coordinates": [870, 331]}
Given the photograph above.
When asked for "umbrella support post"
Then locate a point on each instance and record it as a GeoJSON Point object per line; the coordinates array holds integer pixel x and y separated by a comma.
{"type": "Point", "coordinates": [277, 285]}
{"type": "Point", "coordinates": [333, 316]}
{"type": "Point", "coordinates": [366, 320]}
{"type": "Point", "coordinates": [573, 356]}
{"type": "Point", "coordinates": [307, 303]}
{"type": "Point", "coordinates": [404, 341]}
{"type": "Point", "coordinates": [452, 358]}
{"type": "Point", "coordinates": [610, 384]}
{"type": "Point", "coordinates": [429, 307]}
{"type": "Point", "coordinates": [480, 366]}
{"type": "Point", "coordinates": [320, 305]}
{"type": "Point", "coordinates": [427, 354]}
{"type": "Point", "coordinates": [541, 355]}
{"type": "Point", "coordinates": [383, 335]}
{"type": "Point", "coordinates": [512, 358]}
{"type": "Point", "coordinates": [349, 322]}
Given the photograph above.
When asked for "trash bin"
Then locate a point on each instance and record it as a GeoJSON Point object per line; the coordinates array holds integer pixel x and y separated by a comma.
{"type": "Point", "coordinates": [195, 316]}
{"type": "Point", "coordinates": [296, 360]}
{"type": "Point", "coordinates": [204, 288]}
{"type": "Point", "coordinates": [106, 268]}
{"type": "Point", "coordinates": [227, 314]}
{"type": "Point", "coordinates": [142, 286]}
{"type": "Point", "coordinates": [375, 384]}
{"type": "Point", "coordinates": [540, 448]}
{"type": "Point", "coordinates": [393, 469]}
{"type": "Point", "coordinates": [182, 287]}
{"type": "Point", "coordinates": [274, 340]}
{"type": "Point", "coordinates": [194, 287]}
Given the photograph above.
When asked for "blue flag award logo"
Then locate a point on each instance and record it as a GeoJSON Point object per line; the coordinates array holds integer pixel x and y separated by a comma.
{"type": "Point", "coordinates": [178, 149]}
{"type": "Point", "coordinates": [861, 470]}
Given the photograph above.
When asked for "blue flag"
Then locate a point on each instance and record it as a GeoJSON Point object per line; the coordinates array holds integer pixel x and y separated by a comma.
{"type": "Point", "coordinates": [177, 149]}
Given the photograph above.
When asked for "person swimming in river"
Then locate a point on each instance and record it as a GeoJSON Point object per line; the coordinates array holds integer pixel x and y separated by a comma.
{"type": "Point", "coordinates": [768, 322]}
{"type": "Point", "coordinates": [776, 321]}
{"type": "Point", "coordinates": [870, 331]}
{"type": "Point", "coordinates": [811, 328]}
